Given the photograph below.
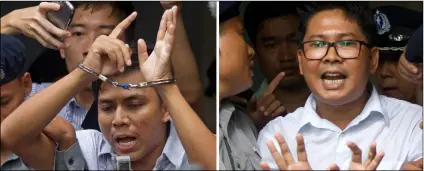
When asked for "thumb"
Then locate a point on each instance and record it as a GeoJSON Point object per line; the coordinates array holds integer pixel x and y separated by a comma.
{"type": "Point", "coordinates": [142, 51]}
{"type": "Point", "coordinates": [274, 83]}
{"type": "Point", "coordinates": [44, 7]}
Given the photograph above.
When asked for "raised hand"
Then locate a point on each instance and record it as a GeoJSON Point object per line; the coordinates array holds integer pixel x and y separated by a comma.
{"type": "Point", "coordinates": [32, 22]}
{"type": "Point", "coordinates": [267, 107]}
{"type": "Point", "coordinates": [285, 161]}
{"type": "Point", "coordinates": [372, 161]}
{"type": "Point", "coordinates": [158, 64]}
{"type": "Point", "coordinates": [108, 54]}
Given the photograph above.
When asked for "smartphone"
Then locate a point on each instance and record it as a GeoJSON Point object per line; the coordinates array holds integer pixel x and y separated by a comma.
{"type": "Point", "coordinates": [61, 18]}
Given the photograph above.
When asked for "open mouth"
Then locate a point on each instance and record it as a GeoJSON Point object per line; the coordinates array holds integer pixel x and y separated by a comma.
{"type": "Point", "coordinates": [125, 143]}
{"type": "Point", "coordinates": [333, 80]}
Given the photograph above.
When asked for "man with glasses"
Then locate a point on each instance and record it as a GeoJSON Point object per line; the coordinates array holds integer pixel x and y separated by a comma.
{"type": "Point", "coordinates": [345, 123]}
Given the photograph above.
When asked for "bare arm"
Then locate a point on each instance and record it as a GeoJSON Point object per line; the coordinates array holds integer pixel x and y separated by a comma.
{"type": "Point", "coordinates": [184, 63]}
{"type": "Point", "coordinates": [44, 106]}
{"type": "Point", "coordinates": [198, 141]}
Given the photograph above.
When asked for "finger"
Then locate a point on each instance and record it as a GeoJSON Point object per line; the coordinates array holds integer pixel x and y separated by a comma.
{"type": "Point", "coordinates": [128, 54]}
{"type": "Point", "coordinates": [273, 107]}
{"type": "Point", "coordinates": [265, 166]}
{"type": "Point", "coordinates": [265, 102]}
{"type": "Point", "coordinates": [120, 28]}
{"type": "Point", "coordinates": [107, 48]}
{"type": "Point", "coordinates": [142, 51]}
{"type": "Point", "coordinates": [376, 161]}
{"type": "Point", "coordinates": [356, 152]}
{"type": "Point", "coordinates": [280, 111]}
{"type": "Point", "coordinates": [48, 6]}
{"type": "Point", "coordinates": [281, 163]}
{"type": "Point", "coordinates": [53, 29]}
{"type": "Point", "coordinates": [333, 167]}
{"type": "Point", "coordinates": [175, 12]}
{"type": "Point", "coordinates": [47, 37]}
{"type": "Point", "coordinates": [301, 151]}
{"type": "Point", "coordinates": [284, 149]}
{"type": "Point", "coordinates": [371, 153]}
{"type": "Point", "coordinates": [119, 47]}
{"type": "Point", "coordinates": [169, 40]}
{"type": "Point", "coordinates": [40, 39]}
{"type": "Point", "coordinates": [274, 83]}
{"type": "Point", "coordinates": [411, 68]}
{"type": "Point", "coordinates": [421, 125]}
{"type": "Point", "coordinates": [162, 27]}
{"type": "Point", "coordinates": [125, 51]}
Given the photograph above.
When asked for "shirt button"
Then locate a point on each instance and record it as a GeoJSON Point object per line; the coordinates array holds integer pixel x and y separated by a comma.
{"type": "Point", "coordinates": [71, 161]}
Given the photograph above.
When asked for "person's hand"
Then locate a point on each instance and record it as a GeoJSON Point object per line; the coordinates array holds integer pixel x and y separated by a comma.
{"type": "Point", "coordinates": [372, 161]}
{"type": "Point", "coordinates": [158, 64]}
{"type": "Point", "coordinates": [108, 54]}
{"type": "Point", "coordinates": [61, 131]}
{"type": "Point", "coordinates": [268, 107]}
{"type": "Point", "coordinates": [409, 71]}
{"type": "Point", "coordinates": [285, 161]}
{"type": "Point", "coordinates": [32, 22]}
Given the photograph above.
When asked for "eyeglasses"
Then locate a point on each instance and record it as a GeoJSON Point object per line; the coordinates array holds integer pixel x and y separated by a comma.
{"type": "Point", "coordinates": [347, 49]}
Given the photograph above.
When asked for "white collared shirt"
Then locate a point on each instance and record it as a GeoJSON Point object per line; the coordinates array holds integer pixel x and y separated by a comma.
{"type": "Point", "coordinates": [392, 123]}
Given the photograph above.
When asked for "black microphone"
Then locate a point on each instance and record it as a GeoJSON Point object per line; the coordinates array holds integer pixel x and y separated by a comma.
{"type": "Point", "coordinates": [414, 49]}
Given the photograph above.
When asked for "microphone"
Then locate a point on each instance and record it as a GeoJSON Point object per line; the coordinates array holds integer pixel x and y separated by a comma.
{"type": "Point", "coordinates": [122, 162]}
{"type": "Point", "coordinates": [414, 49]}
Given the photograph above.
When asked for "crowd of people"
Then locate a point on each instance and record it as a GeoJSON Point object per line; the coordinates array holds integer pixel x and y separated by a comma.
{"type": "Point", "coordinates": [154, 125]}
{"type": "Point", "coordinates": [342, 89]}
{"type": "Point", "coordinates": [339, 91]}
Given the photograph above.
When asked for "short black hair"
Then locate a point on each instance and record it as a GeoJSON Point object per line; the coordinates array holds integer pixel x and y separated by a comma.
{"type": "Point", "coordinates": [125, 8]}
{"type": "Point", "coordinates": [258, 12]}
{"type": "Point", "coordinates": [357, 11]}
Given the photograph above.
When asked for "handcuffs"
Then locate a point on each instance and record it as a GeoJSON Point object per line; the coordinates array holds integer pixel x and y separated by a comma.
{"type": "Point", "coordinates": [126, 86]}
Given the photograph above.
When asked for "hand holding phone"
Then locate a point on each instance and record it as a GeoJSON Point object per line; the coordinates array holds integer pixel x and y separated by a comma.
{"type": "Point", "coordinates": [32, 22]}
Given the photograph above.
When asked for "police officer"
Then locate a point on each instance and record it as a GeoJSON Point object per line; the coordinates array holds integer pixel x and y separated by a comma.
{"type": "Point", "coordinates": [395, 26]}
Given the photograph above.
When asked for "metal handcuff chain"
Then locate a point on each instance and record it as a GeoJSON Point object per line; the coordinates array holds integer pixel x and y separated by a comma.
{"type": "Point", "coordinates": [126, 86]}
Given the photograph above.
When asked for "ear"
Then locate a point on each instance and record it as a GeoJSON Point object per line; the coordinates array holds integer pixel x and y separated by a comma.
{"type": "Point", "coordinates": [62, 53]}
{"type": "Point", "coordinates": [166, 117]}
{"type": "Point", "coordinates": [374, 59]}
{"type": "Point", "coordinates": [299, 59]}
{"type": "Point", "coordinates": [26, 83]}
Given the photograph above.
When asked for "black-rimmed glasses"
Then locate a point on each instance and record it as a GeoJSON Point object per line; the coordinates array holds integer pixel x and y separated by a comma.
{"type": "Point", "coordinates": [347, 49]}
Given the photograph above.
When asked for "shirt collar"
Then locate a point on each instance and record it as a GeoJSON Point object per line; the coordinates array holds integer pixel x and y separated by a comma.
{"type": "Point", "coordinates": [11, 157]}
{"type": "Point", "coordinates": [225, 112]}
{"type": "Point", "coordinates": [373, 106]}
{"type": "Point", "coordinates": [173, 149]}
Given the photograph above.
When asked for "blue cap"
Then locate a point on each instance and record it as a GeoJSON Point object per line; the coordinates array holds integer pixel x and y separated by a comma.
{"type": "Point", "coordinates": [13, 59]}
